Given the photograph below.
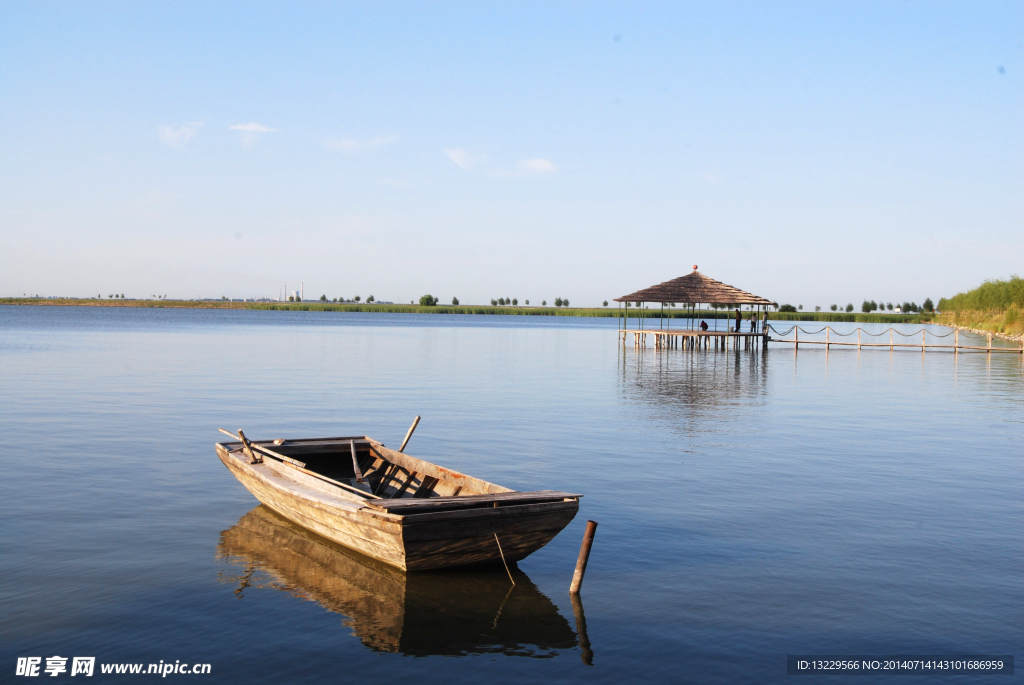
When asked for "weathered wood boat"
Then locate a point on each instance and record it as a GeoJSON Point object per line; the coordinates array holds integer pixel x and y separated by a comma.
{"type": "Point", "coordinates": [394, 507]}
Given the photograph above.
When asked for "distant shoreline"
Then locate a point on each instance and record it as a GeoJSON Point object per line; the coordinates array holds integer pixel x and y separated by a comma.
{"type": "Point", "coordinates": [484, 310]}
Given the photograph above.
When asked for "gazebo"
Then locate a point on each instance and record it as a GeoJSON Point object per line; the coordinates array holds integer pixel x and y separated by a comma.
{"type": "Point", "coordinates": [692, 290]}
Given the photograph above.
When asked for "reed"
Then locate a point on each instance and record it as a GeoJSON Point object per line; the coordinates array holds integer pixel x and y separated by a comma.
{"type": "Point", "coordinates": [484, 310]}
{"type": "Point", "coordinates": [996, 306]}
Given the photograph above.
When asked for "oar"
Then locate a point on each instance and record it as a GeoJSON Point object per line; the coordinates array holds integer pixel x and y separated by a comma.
{"type": "Point", "coordinates": [415, 422]}
{"type": "Point", "coordinates": [355, 462]}
{"type": "Point", "coordinates": [261, 448]}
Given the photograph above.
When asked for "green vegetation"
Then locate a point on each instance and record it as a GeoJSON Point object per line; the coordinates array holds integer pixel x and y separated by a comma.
{"type": "Point", "coordinates": [425, 301]}
{"type": "Point", "coordinates": [319, 306]}
{"type": "Point", "coordinates": [788, 308]}
{"type": "Point", "coordinates": [996, 306]}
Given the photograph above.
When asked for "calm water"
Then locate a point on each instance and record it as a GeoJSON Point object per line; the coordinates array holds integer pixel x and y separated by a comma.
{"type": "Point", "coordinates": [750, 505]}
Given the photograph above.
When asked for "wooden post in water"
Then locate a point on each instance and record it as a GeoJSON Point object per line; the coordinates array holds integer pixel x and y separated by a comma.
{"type": "Point", "coordinates": [922, 341]}
{"type": "Point", "coordinates": [828, 330]}
{"type": "Point", "coordinates": [990, 343]}
{"type": "Point", "coordinates": [858, 338]}
{"type": "Point", "coordinates": [796, 339]}
{"type": "Point", "coordinates": [890, 339]}
{"type": "Point", "coordinates": [581, 561]}
{"type": "Point", "coordinates": [956, 341]}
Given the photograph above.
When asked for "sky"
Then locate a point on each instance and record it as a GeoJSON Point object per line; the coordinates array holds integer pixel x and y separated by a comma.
{"type": "Point", "coordinates": [809, 152]}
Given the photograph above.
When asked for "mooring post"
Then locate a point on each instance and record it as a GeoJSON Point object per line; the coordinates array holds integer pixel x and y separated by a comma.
{"type": "Point", "coordinates": [858, 338]}
{"type": "Point", "coordinates": [828, 329]}
{"type": "Point", "coordinates": [581, 561]}
{"type": "Point", "coordinates": [990, 343]}
{"type": "Point", "coordinates": [956, 341]}
{"type": "Point", "coordinates": [922, 341]}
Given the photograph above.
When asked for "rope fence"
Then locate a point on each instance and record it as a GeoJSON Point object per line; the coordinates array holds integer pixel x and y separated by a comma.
{"type": "Point", "coordinates": [928, 339]}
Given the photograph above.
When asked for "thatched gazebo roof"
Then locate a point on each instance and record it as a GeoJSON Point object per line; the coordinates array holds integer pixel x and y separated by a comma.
{"type": "Point", "coordinates": [694, 288]}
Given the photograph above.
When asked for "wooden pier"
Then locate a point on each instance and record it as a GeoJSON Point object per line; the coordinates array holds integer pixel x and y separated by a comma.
{"type": "Point", "coordinates": [693, 340]}
{"type": "Point", "coordinates": [723, 340]}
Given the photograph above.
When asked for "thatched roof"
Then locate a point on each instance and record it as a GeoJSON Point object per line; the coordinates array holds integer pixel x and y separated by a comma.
{"type": "Point", "coordinates": [694, 288]}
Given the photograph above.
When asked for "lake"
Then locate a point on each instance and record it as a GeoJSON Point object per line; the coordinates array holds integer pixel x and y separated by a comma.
{"type": "Point", "coordinates": [750, 505]}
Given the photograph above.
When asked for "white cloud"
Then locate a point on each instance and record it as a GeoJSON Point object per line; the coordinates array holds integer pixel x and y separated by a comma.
{"type": "Point", "coordinates": [527, 168]}
{"type": "Point", "coordinates": [249, 131]}
{"type": "Point", "coordinates": [536, 167]}
{"type": "Point", "coordinates": [253, 127]}
{"type": "Point", "coordinates": [350, 146]}
{"type": "Point", "coordinates": [462, 159]}
{"type": "Point", "coordinates": [178, 137]}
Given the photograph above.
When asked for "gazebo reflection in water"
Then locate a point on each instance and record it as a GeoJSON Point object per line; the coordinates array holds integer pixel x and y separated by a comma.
{"type": "Point", "coordinates": [691, 291]}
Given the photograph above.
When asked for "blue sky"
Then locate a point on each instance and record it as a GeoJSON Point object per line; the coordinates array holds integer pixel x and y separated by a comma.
{"type": "Point", "coordinates": [808, 152]}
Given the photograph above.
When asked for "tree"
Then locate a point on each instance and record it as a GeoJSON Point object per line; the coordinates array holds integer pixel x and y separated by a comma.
{"type": "Point", "coordinates": [543, 303]}
{"type": "Point", "coordinates": [787, 308]}
{"type": "Point", "coordinates": [455, 302]}
{"type": "Point", "coordinates": [801, 307]}
{"type": "Point", "coordinates": [849, 307]}
{"type": "Point", "coordinates": [370, 300]}
{"type": "Point", "coordinates": [323, 298]}
{"type": "Point", "coordinates": [565, 302]}
{"type": "Point", "coordinates": [291, 298]}
{"type": "Point", "coordinates": [889, 306]}
{"type": "Point", "coordinates": [428, 300]}
{"type": "Point", "coordinates": [356, 298]}
{"type": "Point", "coordinates": [865, 307]}
{"type": "Point", "coordinates": [817, 308]}
{"type": "Point", "coordinates": [494, 302]}
{"type": "Point", "coordinates": [605, 304]}
{"type": "Point", "coordinates": [515, 302]}
{"type": "Point", "coordinates": [835, 307]}
{"type": "Point", "coordinates": [558, 302]}
{"type": "Point", "coordinates": [501, 301]}
{"type": "Point", "coordinates": [527, 303]}
{"type": "Point", "coordinates": [928, 305]}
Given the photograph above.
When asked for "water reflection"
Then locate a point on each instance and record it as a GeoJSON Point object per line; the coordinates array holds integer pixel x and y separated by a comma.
{"type": "Point", "coordinates": [450, 612]}
{"type": "Point", "coordinates": [700, 381]}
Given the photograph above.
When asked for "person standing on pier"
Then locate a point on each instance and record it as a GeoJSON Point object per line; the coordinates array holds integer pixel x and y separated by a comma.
{"type": "Point", "coordinates": [739, 318]}
{"type": "Point", "coordinates": [753, 322]}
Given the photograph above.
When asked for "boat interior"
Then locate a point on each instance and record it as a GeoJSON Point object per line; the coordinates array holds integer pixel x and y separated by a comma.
{"type": "Point", "coordinates": [359, 463]}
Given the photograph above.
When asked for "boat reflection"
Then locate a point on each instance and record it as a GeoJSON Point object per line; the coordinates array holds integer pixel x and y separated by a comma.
{"type": "Point", "coordinates": [452, 612]}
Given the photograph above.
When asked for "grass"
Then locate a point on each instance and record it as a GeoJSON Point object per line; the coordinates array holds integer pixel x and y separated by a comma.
{"type": "Point", "coordinates": [996, 306]}
{"type": "Point", "coordinates": [604, 312]}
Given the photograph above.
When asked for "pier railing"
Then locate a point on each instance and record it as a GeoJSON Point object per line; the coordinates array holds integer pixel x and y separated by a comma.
{"type": "Point", "coordinates": [856, 339]}
{"type": "Point", "coordinates": [929, 339]}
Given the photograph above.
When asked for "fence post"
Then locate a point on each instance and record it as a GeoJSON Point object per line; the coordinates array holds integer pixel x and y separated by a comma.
{"type": "Point", "coordinates": [990, 343]}
{"type": "Point", "coordinates": [828, 330]}
{"type": "Point", "coordinates": [796, 340]}
{"type": "Point", "coordinates": [922, 341]}
{"type": "Point", "coordinates": [956, 341]}
{"type": "Point", "coordinates": [890, 340]}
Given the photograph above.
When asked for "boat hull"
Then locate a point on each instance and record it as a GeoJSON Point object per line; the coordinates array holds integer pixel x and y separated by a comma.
{"type": "Point", "coordinates": [412, 542]}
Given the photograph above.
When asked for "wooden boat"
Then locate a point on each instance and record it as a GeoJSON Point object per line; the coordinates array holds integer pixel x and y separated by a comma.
{"type": "Point", "coordinates": [394, 507]}
{"type": "Point", "coordinates": [453, 612]}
